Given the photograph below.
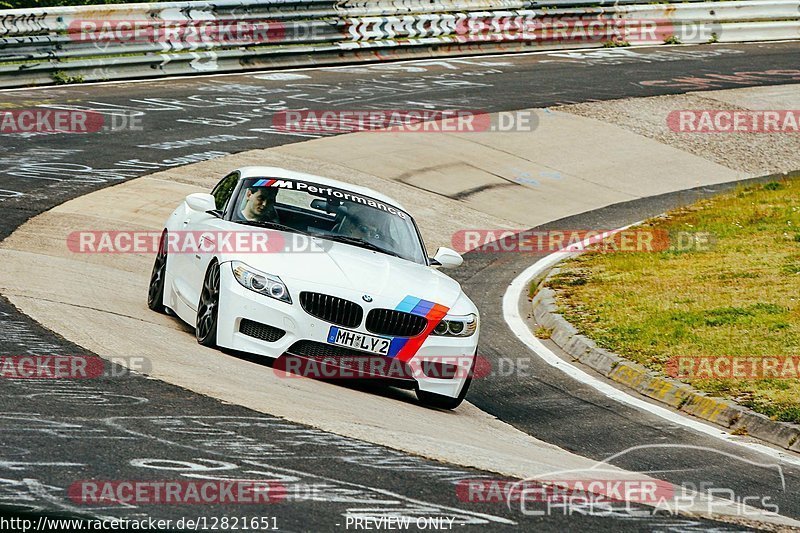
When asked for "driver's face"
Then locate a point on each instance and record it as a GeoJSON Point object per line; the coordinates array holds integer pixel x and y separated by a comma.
{"type": "Point", "coordinates": [258, 201]}
{"type": "Point", "coordinates": [366, 230]}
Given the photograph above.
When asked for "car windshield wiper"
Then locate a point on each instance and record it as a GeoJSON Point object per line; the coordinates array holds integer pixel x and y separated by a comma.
{"type": "Point", "coordinates": [272, 225]}
{"type": "Point", "coordinates": [359, 242]}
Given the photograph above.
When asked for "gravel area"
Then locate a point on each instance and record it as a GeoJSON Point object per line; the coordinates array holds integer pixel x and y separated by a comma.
{"type": "Point", "coordinates": [757, 153]}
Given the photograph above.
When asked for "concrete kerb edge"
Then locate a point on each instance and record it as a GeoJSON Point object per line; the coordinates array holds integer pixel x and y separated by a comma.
{"type": "Point", "coordinates": [735, 418]}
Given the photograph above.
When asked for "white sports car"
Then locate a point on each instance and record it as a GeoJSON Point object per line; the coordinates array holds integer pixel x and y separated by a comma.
{"type": "Point", "coordinates": [290, 265]}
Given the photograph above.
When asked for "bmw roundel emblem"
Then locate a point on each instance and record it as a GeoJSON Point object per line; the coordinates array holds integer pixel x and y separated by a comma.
{"type": "Point", "coordinates": [367, 298]}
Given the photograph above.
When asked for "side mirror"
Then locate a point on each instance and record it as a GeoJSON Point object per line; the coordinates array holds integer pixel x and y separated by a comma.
{"type": "Point", "coordinates": [201, 201]}
{"type": "Point", "coordinates": [447, 258]}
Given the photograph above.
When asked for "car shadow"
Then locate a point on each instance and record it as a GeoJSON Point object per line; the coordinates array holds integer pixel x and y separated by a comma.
{"type": "Point", "coordinates": [375, 387]}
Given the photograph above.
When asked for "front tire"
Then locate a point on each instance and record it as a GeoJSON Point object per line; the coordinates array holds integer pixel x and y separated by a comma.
{"type": "Point", "coordinates": [207, 312]}
{"type": "Point", "coordinates": [155, 291]}
{"type": "Point", "coordinates": [439, 401]}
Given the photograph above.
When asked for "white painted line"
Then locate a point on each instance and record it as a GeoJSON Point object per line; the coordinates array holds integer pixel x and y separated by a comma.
{"type": "Point", "coordinates": [515, 322]}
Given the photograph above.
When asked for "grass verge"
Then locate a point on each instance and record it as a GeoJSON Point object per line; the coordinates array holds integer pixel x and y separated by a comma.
{"type": "Point", "coordinates": [737, 298]}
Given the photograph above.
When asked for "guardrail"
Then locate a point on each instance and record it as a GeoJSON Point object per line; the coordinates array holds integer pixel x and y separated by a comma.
{"type": "Point", "coordinates": [121, 41]}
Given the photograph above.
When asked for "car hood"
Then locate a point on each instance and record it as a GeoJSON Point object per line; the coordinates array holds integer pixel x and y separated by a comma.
{"type": "Point", "coordinates": [343, 268]}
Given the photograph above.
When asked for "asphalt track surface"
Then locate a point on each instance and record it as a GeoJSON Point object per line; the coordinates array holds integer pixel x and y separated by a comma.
{"type": "Point", "coordinates": [131, 427]}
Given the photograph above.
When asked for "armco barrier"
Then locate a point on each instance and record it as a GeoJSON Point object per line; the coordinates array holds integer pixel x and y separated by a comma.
{"type": "Point", "coordinates": [120, 41]}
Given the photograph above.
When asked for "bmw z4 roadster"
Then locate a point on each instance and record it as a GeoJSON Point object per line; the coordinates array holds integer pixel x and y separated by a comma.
{"type": "Point", "coordinates": [290, 265]}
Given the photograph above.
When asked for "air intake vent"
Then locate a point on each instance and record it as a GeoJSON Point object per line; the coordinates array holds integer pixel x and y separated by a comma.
{"type": "Point", "coordinates": [332, 309]}
{"type": "Point", "coordinates": [395, 323]}
{"type": "Point", "coordinates": [260, 331]}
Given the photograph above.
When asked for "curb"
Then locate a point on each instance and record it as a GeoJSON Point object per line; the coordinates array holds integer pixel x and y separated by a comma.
{"type": "Point", "coordinates": [737, 419]}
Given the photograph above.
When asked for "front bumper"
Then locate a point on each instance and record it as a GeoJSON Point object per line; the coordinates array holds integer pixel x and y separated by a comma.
{"type": "Point", "coordinates": [238, 303]}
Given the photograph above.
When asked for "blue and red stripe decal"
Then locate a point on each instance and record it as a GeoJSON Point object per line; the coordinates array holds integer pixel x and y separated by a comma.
{"type": "Point", "coordinates": [264, 183]}
{"type": "Point", "coordinates": [405, 349]}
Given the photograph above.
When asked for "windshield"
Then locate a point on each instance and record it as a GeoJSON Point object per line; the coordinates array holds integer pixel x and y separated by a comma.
{"type": "Point", "coordinates": [329, 213]}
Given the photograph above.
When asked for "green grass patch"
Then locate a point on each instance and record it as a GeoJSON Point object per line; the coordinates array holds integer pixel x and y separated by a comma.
{"type": "Point", "coordinates": [62, 78]}
{"type": "Point", "coordinates": [738, 297]}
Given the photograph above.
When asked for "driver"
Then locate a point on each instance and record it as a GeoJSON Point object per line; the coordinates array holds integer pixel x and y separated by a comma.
{"type": "Point", "coordinates": [259, 205]}
{"type": "Point", "coordinates": [367, 224]}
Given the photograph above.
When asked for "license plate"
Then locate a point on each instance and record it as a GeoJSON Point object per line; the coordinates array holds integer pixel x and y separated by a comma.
{"type": "Point", "coordinates": [359, 341]}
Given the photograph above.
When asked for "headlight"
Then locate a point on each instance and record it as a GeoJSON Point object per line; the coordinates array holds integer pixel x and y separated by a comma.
{"type": "Point", "coordinates": [260, 282]}
{"type": "Point", "coordinates": [457, 326]}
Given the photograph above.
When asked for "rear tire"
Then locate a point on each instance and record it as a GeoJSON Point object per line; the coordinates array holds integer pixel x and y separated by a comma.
{"type": "Point", "coordinates": [155, 291]}
{"type": "Point", "coordinates": [207, 312]}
